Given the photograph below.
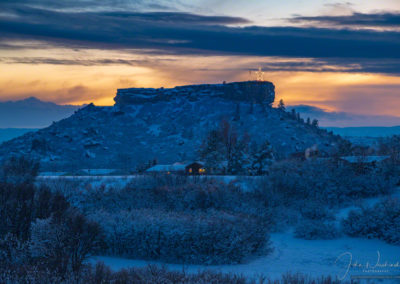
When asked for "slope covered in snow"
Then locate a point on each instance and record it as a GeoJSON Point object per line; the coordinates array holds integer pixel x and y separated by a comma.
{"type": "Point", "coordinates": [168, 125]}
{"type": "Point", "coordinates": [310, 257]}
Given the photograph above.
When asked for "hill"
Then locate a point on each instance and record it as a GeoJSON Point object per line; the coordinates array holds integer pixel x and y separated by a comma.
{"type": "Point", "coordinates": [168, 125]}
{"type": "Point", "coordinates": [32, 113]}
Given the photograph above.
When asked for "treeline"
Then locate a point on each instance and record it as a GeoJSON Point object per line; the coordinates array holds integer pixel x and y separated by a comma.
{"type": "Point", "coordinates": [226, 151]}
{"type": "Point", "coordinates": [38, 228]}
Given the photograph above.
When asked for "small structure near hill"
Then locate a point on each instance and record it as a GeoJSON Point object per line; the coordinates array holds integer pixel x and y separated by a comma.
{"type": "Point", "coordinates": [191, 168]}
{"type": "Point", "coordinates": [362, 163]}
{"type": "Point", "coordinates": [368, 160]}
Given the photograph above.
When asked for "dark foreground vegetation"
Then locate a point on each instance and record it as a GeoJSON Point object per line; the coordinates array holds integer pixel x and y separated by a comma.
{"type": "Point", "coordinates": [49, 229]}
{"type": "Point", "coordinates": [148, 275]}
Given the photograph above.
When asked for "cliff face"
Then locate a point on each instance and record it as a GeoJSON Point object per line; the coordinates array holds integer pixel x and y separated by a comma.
{"type": "Point", "coordinates": [251, 91]}
{"type": "Point", "coordinates": [164, 124]}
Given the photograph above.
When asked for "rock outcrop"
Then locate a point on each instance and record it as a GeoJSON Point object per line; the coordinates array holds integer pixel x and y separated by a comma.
{"type": "Point", "coordinates": [250, 91]}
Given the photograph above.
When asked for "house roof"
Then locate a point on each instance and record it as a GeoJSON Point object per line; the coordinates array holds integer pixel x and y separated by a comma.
{"type": "Point", "coordinates": [167, 168]}
{"type": "Point", "coordinates": [176, 167]}
{"type": "Point", "coordinates": [98, 171]}
{"type": "Point", "coordinates": [364, 159]}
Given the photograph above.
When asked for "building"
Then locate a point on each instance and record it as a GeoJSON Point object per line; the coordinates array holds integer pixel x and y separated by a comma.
{"type": "Point", "coordinates": [367, 160]}
{"type": "Point", "coordinates": [191, 168]}
{"type": "Point", "coordinates": [362, 163]}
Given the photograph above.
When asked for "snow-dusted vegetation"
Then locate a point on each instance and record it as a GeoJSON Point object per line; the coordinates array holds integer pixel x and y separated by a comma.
{"type": "Point", "coordinates": [380, 221]}
{"type": "Point", "coordinates": [211, 237]}
{"type": "Point", "coordinates": [201, 221]}
{"type": "Point", "coordinates": [179, 219]}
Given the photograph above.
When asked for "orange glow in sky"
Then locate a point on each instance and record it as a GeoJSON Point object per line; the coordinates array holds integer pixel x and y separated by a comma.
{"type": "Point", "coordinates": [80, 81]}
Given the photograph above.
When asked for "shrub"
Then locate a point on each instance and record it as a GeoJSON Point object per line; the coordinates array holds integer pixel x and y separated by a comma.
{"type": "Point", "coordinates": [326, 182]}
{"type": "Point", "coordinates": [63, 244]}
{"type": "Point", "coordinates": [19, 170]}
{"type": "Point", "coordinates": [196, 237]}
{"type": "Point", "coordinates": [316, 229]}
{"type": "Point", "coordinates": [316, 211]}
{"type": "Point", "coordinates": [381, 221]}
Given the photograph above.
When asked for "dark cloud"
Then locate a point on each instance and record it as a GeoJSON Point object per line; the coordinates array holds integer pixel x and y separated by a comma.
{"type": "Point", "coordinates": [81, 62]}
{"type": "Point", "coordinates": [176, 18]}
{"type": "Point", "coordinates": [356, 19]}
{"type": "Point", "coordinates": [92, 5]}
{"type": "Point", "coordinates": [315, 65]}
{"type": "Point", "coordinates": [183, 33]}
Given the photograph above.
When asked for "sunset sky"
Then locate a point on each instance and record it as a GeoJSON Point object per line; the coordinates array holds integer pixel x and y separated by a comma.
{"type": "Point", "coordinates": [340, 56]}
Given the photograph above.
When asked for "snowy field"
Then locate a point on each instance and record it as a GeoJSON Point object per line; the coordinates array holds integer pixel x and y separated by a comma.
{"type": "Point", "coordinates": [315, 258]}
{"type": "Point", "coordinates": [310, 257]}
{"type": "Point", "coordinates": [122, 181]}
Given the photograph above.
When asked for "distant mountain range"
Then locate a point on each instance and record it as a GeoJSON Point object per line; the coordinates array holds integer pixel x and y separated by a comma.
{"type": "Point", "coordinates": [377, 131]}
{"type": "Point", "coordinates": [32, 113]}
{"type": "Point", "coordinates": [344, 119]}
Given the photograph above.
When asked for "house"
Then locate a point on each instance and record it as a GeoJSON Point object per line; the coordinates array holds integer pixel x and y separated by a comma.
{"type": "Point", "coordinates": [363, 162]}
{"type": "Point", "coordinates": [368, 160]}
{"type": "Point", "coordinates": [96, 172]}
{"type": "Point", "coordinates": [191, 168]}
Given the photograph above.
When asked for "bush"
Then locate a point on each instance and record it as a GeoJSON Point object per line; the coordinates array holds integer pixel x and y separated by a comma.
{"type": "Point", "coordinates": [316, 230]}
{"type": "Point", "coordinates": [316, 211]}
{"type": "Point", "coordinates": [38, 227]}
{"type": "Point", "coordinates": [195, 237]}
{"type": "Point", "coordinates": [326, 182]}
{"type": "Point", "coordinates": [19, 170]}
{"type": "Point", "coordinates": [63, 244]}
{"type": "Point", "coordinates": [381, 221]}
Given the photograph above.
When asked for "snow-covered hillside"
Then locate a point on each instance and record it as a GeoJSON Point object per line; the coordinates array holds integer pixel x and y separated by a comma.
{"type": "Point", "coordinates": [168, 125]}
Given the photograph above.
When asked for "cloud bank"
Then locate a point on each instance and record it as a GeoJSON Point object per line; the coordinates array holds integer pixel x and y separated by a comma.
{"type": "Point", "coordinates": [186, 33]}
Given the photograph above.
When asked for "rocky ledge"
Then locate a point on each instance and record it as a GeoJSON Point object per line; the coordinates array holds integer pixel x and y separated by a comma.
{"type": "Point", "coordinates": [262, 92]}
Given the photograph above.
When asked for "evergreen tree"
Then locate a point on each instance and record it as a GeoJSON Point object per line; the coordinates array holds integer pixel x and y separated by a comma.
{"type": "Point", "coordinates": [239, 160]}
{"type": "Point", "coordinates": [251, 110]}
{"type": "Point", "coordinates": [308, 121]}
{"type": "Point", "coordinates": [294, 116]}
{"type": "Point", "coordinates": [315, 123]}
{"type": "Point", "coordinates": [235, 164]}
{"type": "Point", "coordinates": [212, 151]}
{"type": "Point", "coordinates": [237, 112]}
{"type": "Point", "coordinates": [261, 158]}
{"type": "Point", "coordinates": [281, 105]}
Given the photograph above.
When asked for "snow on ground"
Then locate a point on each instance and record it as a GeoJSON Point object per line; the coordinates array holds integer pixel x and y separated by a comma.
{"type": "Point", "coordinates": [123, 180]}
{"type": "Point", "coordinates": [314, 258]}
{"type": "Point", "coordinates": [368, 202]}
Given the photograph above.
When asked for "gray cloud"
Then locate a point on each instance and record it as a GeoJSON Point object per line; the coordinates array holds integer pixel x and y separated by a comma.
{"type": "Point", "coordinates": [184, 33]}
{"type": "Point", "coordinates": [356, 19]}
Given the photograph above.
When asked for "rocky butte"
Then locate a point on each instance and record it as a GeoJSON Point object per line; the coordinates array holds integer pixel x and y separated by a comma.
{"type": "Point", "coordinates": [261, 92]}
{"type": "Point", "coordinates": [166, 124]}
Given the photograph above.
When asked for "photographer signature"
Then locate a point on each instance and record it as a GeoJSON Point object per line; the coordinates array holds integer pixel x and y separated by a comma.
{"type": "Point", "coordinates": [378, 266]}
